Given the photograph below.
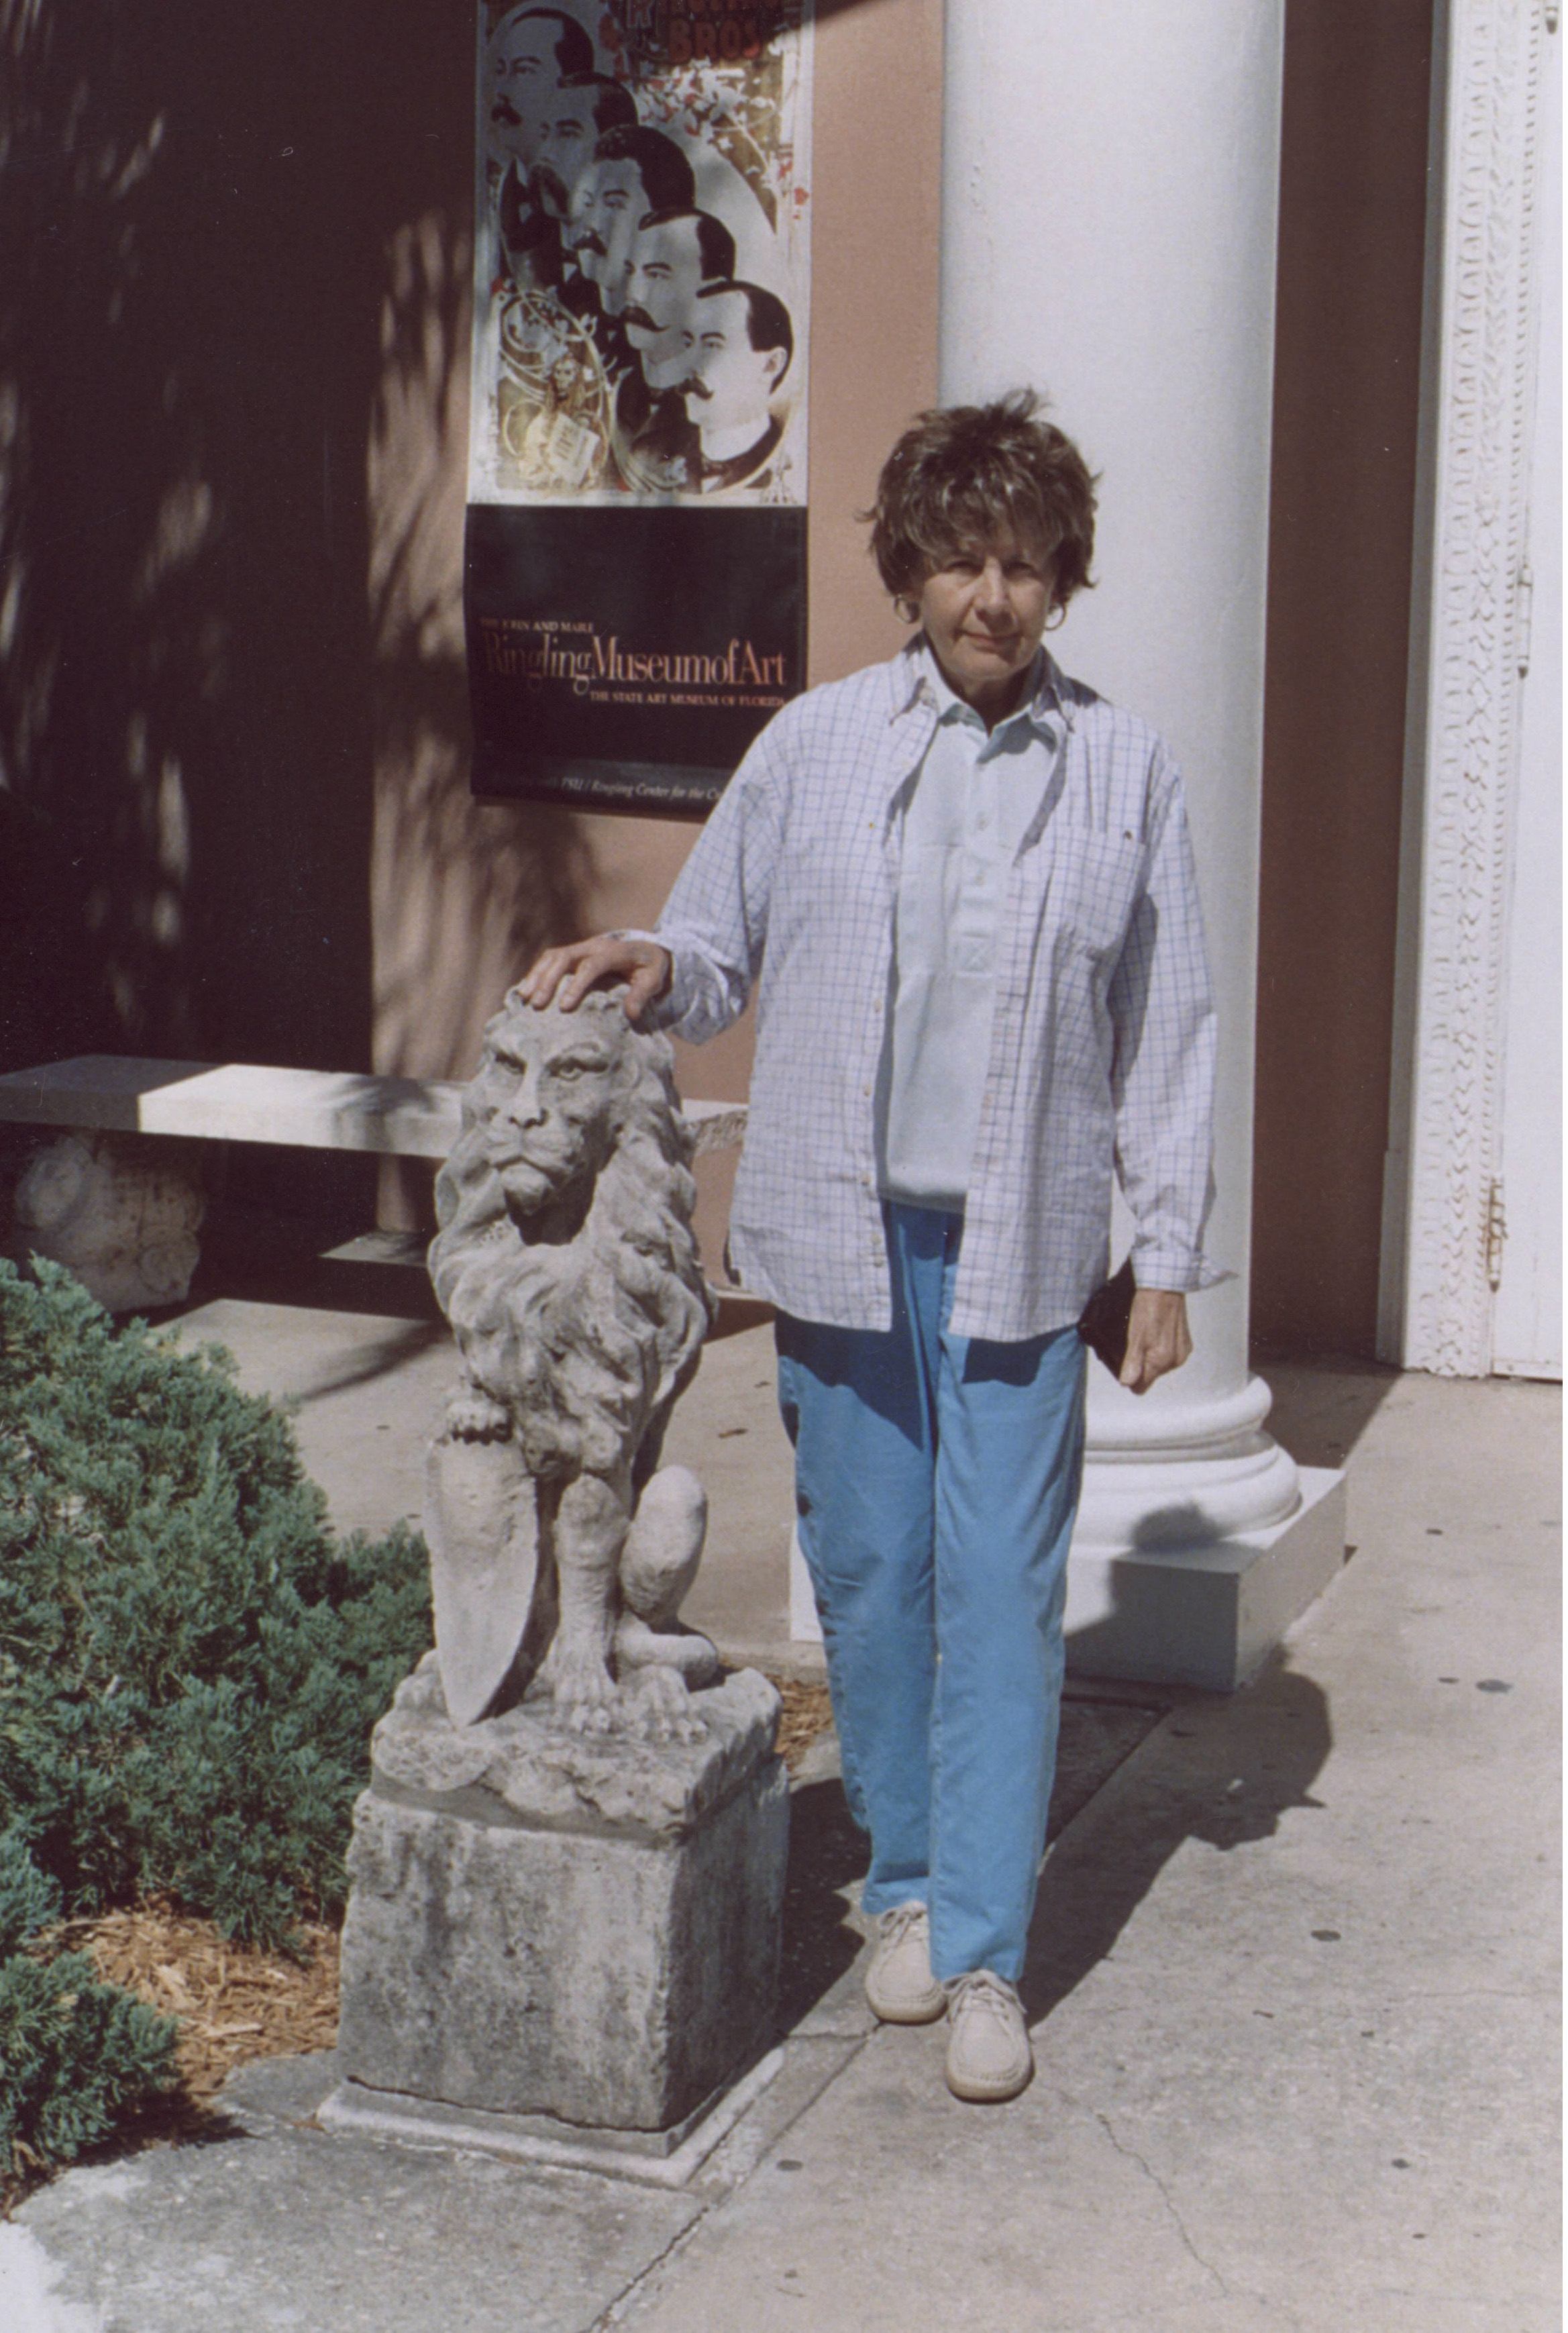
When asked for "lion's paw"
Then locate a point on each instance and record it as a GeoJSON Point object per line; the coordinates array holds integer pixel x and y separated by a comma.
{"type": "Point", "coordinates": [473, 1417]}
{"type": "Point", "coordinates": [657, 1707]}
{"type": "Point", "coordinates": [584, 1692]}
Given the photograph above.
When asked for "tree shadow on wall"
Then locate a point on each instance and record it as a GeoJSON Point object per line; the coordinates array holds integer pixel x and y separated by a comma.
{"type": "Point", "coordinates": [463, 892]}
{"type": "Point", "coordinates": [234, 248]}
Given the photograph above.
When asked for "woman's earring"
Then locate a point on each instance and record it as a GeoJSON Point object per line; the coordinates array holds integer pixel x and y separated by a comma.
{"type": "Point", "coordinates": [1059, 613]}
{"type": "Point", "coordinates": [906, 610]}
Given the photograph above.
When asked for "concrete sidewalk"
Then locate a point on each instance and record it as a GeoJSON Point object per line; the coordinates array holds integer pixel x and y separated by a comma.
{"type": "Point", "coordinates": [1291, 1982]}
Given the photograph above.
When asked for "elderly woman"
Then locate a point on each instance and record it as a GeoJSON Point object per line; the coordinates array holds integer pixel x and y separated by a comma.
{"type": "Point", "coordinates": [961, 886]}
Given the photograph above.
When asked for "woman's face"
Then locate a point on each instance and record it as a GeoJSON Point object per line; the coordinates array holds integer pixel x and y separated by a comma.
{"type": "Point", "coordinates": [984, 612]}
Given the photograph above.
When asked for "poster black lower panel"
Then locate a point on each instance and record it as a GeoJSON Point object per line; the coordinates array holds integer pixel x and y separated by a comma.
{"type": "Point", "coordinates": [653, 789]}
{"type": "Point", "coordinates": [624, 658]}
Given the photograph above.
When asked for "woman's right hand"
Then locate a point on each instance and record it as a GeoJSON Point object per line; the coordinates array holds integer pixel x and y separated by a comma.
{"type": "Point", "coordinates": [565, 975]}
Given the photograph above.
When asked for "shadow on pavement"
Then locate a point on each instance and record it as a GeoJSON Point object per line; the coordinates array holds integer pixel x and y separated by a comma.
{"type": "Point", "coordinates": [1225, 1772]}
{"type": "Point", "coordinates": [1322, 1407]}
{"type": "Point", "coordinates": [827, 1857]}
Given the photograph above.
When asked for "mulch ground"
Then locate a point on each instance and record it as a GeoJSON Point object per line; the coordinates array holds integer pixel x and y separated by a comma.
{"type": "Point", "coordinates": [807, 1714]}
{"type": "Point", "coordinates": [233, 2002]}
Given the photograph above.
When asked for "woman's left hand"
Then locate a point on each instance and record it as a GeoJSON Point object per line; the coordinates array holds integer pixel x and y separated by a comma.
{"type": "Point", "coordinates": [1157, 1338]}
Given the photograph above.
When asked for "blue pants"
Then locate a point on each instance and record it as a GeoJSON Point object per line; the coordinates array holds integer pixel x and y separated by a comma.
{"type": "Point", "coordinates": [935, 1480]}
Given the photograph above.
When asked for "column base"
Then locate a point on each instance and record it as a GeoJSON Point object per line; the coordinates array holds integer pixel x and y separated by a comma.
{"type": "Point", "coordinates": [1176, 1472]}
{"type": "Point", "coordinates": [805, 1622]}
{"type": "Point", "coordinates": [1206, 1614]}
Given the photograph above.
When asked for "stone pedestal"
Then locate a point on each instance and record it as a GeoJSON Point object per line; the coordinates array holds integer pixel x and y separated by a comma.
{"type": "Point", "coordinates": [578, 1930]}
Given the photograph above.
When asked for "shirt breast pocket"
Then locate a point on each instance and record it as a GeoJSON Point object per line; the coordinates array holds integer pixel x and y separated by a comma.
{"type": "Point", "coordinates": [1095, 878]}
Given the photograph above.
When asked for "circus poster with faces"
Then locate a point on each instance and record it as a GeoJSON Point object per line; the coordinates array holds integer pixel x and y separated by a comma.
{"type": "Point", "coordinates": [635, 581]}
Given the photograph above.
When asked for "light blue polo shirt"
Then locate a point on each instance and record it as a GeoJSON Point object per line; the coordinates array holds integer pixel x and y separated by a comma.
{"type": "Point", "coordinates": [968, 808]}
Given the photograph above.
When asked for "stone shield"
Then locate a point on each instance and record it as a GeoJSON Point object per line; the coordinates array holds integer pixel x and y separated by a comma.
{"type": "Point", "coordinates": [482, 1527]}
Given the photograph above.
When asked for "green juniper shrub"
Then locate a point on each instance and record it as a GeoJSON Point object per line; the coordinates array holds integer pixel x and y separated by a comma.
{"type": "Point", "coordinates": [190, 1659]}
{"type": "Point", "coordinates": [29, 1898]}
{"type": "Point", "coordinates": [75, 2055]}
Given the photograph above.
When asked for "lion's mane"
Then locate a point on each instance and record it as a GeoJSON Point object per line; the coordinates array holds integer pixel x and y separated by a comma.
{"type": "Point", "coordinates": [587, 1343]}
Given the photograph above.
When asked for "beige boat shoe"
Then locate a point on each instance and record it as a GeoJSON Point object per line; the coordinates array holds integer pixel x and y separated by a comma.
{"type": "Point", "coordinates": [899, 1985]}
{"type": "Point", "coordinates": [988, 2054]}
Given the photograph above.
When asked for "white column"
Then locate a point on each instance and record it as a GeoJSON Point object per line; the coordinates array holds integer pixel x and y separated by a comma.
{"type": "Point", "coordinates": [1109, 215]}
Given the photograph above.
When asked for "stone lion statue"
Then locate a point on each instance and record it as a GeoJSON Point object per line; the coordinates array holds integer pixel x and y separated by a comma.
{"type": "Point", "coordinates": [566, 1266]}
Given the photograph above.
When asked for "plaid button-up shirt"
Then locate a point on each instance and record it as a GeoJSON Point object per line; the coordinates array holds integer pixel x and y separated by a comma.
{"type": "Point", "coordinates": [1103, 1042]}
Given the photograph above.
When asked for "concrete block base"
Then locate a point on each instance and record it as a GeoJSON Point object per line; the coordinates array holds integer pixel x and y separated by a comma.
{"type": "Point", "coordinates": [665, 2158]}
{"type": "Point", "coordinates": [1207, 1615]}
{"type": "Point", "coordinates": [543, 1924]}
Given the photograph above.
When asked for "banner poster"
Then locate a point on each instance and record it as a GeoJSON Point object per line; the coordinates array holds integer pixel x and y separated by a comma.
{"type": "Point", "coordinates": [634, 556]}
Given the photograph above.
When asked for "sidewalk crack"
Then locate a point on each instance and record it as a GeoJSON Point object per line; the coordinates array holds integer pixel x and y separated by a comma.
{"type": "Point", "coordinates": [1177, 2222]}
{"type": "Point", "coordinates": [617, 2310]}
{"type": "Point", "coordinates": [716, 2185]}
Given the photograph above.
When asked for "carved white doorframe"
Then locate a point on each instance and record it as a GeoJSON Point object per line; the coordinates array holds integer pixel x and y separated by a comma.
{"type": "Point", "coordinates": [1469, 634]}
{"type": "Point", "coordinates": [1527, 1313]}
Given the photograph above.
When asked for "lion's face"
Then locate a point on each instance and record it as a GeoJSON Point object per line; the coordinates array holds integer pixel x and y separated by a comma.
{"type": "Point", "coordinates": [549, 1096]}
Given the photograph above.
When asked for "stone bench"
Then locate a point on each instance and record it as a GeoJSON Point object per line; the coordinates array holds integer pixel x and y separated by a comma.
{"type": "Point", "coordinates": [119, 1196]}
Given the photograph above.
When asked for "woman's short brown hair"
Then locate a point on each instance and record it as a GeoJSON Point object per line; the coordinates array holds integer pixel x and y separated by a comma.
{"type": "Point", "coordinates": [960, 472]}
